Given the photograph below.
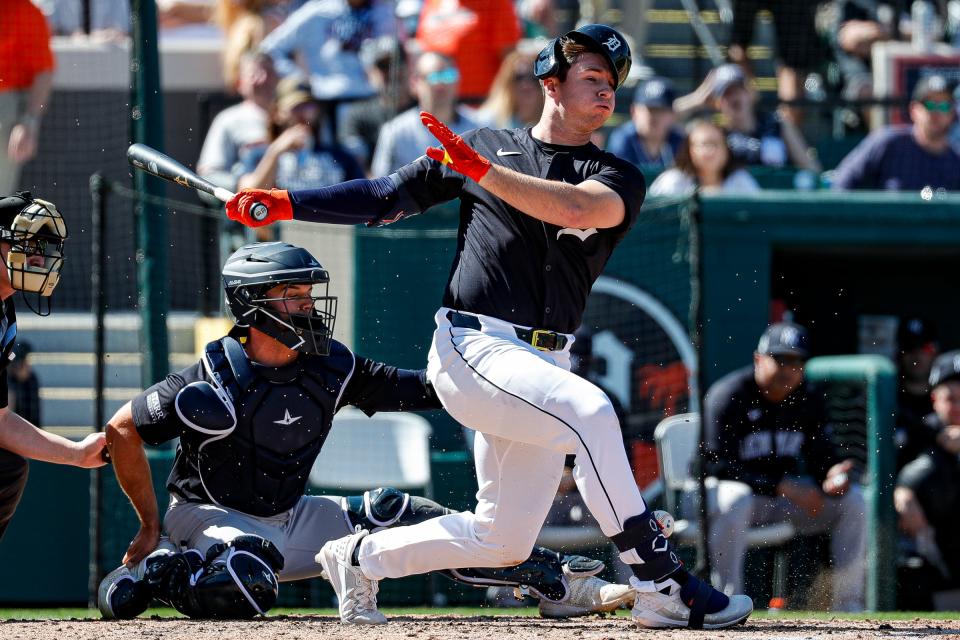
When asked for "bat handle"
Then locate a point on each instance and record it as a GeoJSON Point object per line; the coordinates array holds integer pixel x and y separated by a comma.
{"type": "Point", "coordinates": [259, 212]}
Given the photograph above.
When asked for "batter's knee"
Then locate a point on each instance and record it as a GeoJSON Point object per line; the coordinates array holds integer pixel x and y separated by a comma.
{"type": "Point", "coordinates": [498, 550]}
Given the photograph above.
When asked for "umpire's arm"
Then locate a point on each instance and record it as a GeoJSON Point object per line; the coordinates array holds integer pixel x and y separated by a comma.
{"type": "Point", "coordinates": [133, 474]}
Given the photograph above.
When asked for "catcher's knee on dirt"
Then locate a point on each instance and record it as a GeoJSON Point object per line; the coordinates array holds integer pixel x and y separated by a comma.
{"type": "Point", "coordinates": [386, 507]}
{"type": "Point", "coordinates": [541, 574]}
{"type": "Point", "coordinates": [237, 580]}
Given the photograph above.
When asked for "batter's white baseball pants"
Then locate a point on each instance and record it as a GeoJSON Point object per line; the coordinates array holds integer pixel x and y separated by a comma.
{"type": "Point", "coordinates": [529, 412]}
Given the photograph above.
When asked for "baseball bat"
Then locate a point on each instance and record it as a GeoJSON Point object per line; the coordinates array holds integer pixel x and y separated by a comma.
{"type": "Point", "coordinates": [163, 166]}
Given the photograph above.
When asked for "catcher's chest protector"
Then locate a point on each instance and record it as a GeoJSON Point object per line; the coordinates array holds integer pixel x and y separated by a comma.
{"type": "Point", "coordinates": [280, 417]}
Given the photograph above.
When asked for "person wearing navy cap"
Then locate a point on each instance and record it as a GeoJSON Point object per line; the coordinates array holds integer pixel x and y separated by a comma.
{"type": "Point", "coordinates": [650, 139]}
{"type": "Point", "coordinates": [768, 445]}
{"type": "Point", "coordinates": [927, 495]}
{"type": "Point", "coordinates": [917, 347]}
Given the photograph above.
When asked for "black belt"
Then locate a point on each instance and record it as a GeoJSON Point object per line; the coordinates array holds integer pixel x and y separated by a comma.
{"type": "Point", "coordinates": [540, 338]}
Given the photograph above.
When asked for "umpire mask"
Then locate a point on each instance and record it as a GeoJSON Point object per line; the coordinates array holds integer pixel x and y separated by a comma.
{"type": "Point", "coordinates": [35, 232]}
{"type": "Point", "coordinates": [282, 291]}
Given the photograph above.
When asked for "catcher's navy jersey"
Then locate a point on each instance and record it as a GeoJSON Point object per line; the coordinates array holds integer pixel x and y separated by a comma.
{"type": "Point", "coordinates": [510, 265]}
{"type": "Point", "coordinates": [280, 420]}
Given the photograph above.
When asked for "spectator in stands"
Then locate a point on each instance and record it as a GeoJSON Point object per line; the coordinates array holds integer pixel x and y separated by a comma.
{"type": "Point", "coordinates": [296, 158]}
{"type": "Point", "coordinates": [927, 495]}
{"type": "Point", "coordinates": [917, 348]}
{"type": "Point", "coordinates": [755, 137]}
{"type": "Point", "coordinates": [245, 24]}
{"type": "Point", "coordinates": [386, 63]}
{"type": "Point", "coordinates": [908, 157]}
{"type": "Point", "coordinates": [24, 385]}
{"type": "Point", "coordinates": [243, 128]}
{"type": "Point", "coordinates": [326, 35]}
{"type": "Point", "coordinates": [109, 19]}
{"type": "Point", "coordinates": [187, 19]}
{"type": "Point", "coordinates": [516, 98]}
{"type": "Point", "coordinates": [856, 27]}
{"type": "Point", "coordinates": [798, 45]}
{"type": "Point", "coordinates": [768, 444]}
{"type": "Point", "coordinates": [477, 34]}
{"type": "Point", "coordinates": [26, 80]}
{"type": "Point", "coordinates": [650, 139]}
{"type": "Point", "coordinates": [704, 162]}
{"type": "Point", "coordinates": [434, 82]}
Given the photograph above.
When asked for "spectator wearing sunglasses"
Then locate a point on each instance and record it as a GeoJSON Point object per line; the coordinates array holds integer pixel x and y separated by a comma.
{"type": "Point", "coordinates": [767, 443]}
{"type": "Point", "coordinates": [434, 82]}
{"type": "Point", "coordinates": [909, 157]}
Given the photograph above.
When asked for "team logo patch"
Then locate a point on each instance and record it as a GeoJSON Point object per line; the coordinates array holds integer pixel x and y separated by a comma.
{"type": "Point", "coordinates": [287, 419]}
{"type": "Point", "coordinates": [612, 43]}
{"type": "Point", "coordinates": [582, 234]}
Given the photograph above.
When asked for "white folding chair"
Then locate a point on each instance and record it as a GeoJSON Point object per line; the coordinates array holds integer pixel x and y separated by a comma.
{"type": "Point", "coordinates": [677, 439]}
{"type": "Point", "coordinates": [361, 452]}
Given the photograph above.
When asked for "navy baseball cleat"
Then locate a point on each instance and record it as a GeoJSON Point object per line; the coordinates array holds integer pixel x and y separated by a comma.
{"type": "Point", "coordinates": [694, 604]}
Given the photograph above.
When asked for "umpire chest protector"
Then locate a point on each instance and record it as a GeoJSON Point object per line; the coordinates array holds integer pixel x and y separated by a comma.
{"type": "Point", "coordinates": [254, 432]}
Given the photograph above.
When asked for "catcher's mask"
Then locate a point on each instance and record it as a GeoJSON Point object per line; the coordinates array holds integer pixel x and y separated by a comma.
{"type": "Point", "coordinates": [35, 232]}
{"type": "Point", "coordinates": [281, 290]}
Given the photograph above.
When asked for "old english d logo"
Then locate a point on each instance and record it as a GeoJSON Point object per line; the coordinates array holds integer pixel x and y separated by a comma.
{"type": "Point", "coordinates": [582, 234]}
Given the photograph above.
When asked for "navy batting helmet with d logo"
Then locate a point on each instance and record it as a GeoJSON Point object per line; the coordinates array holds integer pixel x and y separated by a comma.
{"type": "Point", "coordinates": [599, 38]}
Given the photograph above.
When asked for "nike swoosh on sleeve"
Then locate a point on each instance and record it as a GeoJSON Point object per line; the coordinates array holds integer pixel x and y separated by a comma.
{"type": "Point", "coordinates": [501, 153]}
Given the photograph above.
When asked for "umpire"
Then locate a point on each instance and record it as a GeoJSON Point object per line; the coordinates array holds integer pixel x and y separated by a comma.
{"type": "Point", "coordinates": [541, 211]}
{"type": "Point", "coordinates": [32, 233]}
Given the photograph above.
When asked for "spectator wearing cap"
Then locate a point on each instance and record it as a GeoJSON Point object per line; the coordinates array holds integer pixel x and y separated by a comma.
{"type": "Point", "coordinates": [650, 140]}
{"type": "Point", "coordinates": [908, 157]}
{"type": "Point", "coordinates": [297, 157]}
{"type": "Point", "coordinates": [755, 138]}
{"type": "Point", "coordinates": [435, 83]}
{"type": "Point", "coordinates": [768, 445]}
{"type": "Point", "coordinates": [917, 347]}
{"type": "Point", "coordinates": [927, 495]}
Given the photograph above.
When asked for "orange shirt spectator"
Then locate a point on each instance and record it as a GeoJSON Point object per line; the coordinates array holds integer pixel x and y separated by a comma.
{"type": "Point", "coordinates": [26, 80]}
{"type": "Point", "coordinates": [24, 45]}
{"type": "Point", "coordinates": [477, 34]}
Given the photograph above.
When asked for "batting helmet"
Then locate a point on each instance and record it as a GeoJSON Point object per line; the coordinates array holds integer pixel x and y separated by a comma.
{"type": "Point", "coordinates": [255, 269]}
{"type": "Point", "coordinates": [35, 231]}
{"type": "Point", "coordinates": [598, 38]}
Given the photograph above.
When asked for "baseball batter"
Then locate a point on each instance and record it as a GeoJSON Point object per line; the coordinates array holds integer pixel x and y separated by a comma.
{"type": "Point", "coordinates": [541, 210]}
{"type": "Point", "coordinates": [32, 233]}
{"type": "Point", "coordinates": [252, 416]}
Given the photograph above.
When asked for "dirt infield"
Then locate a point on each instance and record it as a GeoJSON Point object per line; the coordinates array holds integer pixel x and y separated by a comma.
{"type": "Point", "coordinates": [442, 627]}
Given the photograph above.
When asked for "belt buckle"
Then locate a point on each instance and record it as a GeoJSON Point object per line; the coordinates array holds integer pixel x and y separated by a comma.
{"type": "Point", "coordinates": [549, 336]}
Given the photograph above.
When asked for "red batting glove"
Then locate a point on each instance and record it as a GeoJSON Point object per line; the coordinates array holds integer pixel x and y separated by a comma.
{"type": "Point", "coordinates": [277, 202]}
{"type": "Point", "coordinates": [455, 153]}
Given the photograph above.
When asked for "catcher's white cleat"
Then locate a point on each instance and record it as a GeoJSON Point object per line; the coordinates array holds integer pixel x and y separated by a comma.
{"type": "Point", "coordinates": [356, 593]}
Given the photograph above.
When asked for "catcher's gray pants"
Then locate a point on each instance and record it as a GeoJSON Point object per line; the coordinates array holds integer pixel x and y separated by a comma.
{"type": "Point", "coordinates": [298, 533]}
{"type": "Point", "coordinates": [734, 508]}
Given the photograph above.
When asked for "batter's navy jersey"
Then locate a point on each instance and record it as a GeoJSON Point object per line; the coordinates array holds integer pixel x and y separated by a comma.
{"type": "Point", "coordinates": [510, 265]}
{"type": "Point", "coordinates": [283, 416]}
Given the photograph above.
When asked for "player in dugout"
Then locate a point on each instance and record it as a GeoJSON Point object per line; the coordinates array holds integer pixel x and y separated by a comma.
{"type": "Point", "coordinates": [252, 416]}
{"type": "Point", "coordinates": [32, 233]}
{"type": "Point", "coordinates": [541, 211]}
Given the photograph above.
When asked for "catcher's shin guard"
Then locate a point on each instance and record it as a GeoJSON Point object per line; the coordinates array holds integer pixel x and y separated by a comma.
{"type": "Point", "coordinates": [238, 580]}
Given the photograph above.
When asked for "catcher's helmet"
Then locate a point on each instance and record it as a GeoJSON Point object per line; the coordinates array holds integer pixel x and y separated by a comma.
{"type": "Point", "coordinates": [599, 38]}
{"type": "Point", "coordinates": [35, 231]}
{"type": "Point", "coordinates": [255, 269]}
